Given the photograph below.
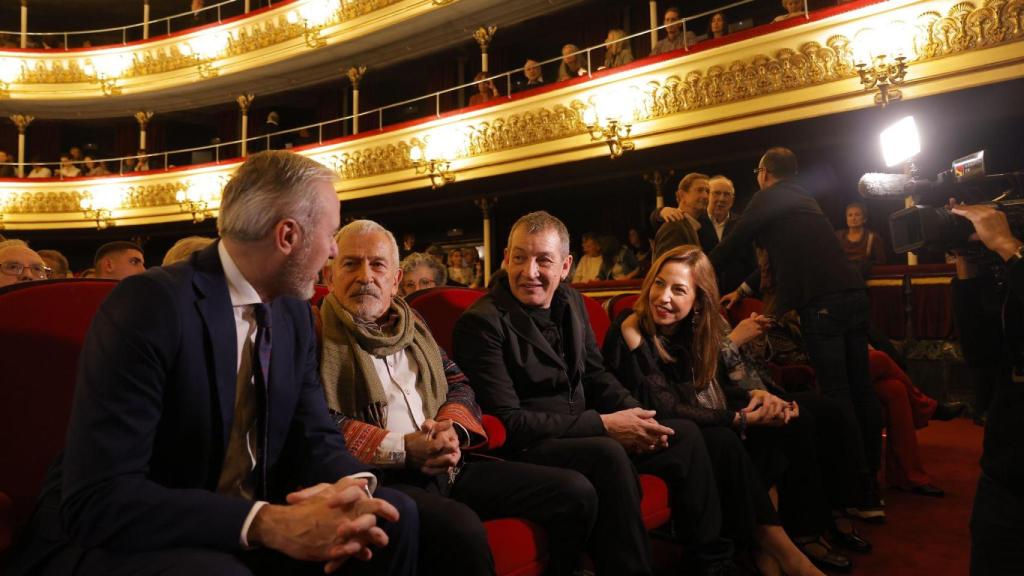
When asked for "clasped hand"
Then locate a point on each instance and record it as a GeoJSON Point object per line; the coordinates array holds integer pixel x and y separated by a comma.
{"type": "Point", "coordinates": [750, 328]}
{"type": "Point", "coordinates": [434, 448]}
{"type": "Point", "coordinates": [766, 409]}
{"type": "Point", "coordinates": [637, 430]}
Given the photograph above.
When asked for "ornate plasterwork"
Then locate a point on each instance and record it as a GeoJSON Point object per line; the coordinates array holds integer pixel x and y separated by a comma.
{"type": "Point", "coordinates": [677, 89]}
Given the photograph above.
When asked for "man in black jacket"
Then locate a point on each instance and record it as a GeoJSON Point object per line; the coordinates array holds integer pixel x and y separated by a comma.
{"type": "Point", "coordinates": [533, 362]}
{"type": "Point", "coordinates": [997, 522]}
{"type": "Point", "coordinates": [808, 273]}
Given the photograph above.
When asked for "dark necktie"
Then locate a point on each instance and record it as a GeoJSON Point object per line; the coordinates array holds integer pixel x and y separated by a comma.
{"type": "Point", "coordinates": [261, 381]}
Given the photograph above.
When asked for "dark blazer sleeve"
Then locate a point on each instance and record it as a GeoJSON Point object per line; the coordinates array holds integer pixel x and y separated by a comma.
{"type": "Point", "coordinates": [479, 349]}
{"type": "Point", "coordinates": [761, 210]}
{"type": "Point", "coordinates": [108, 501]}
{"type": "Point", "coordinates": [672, 234]}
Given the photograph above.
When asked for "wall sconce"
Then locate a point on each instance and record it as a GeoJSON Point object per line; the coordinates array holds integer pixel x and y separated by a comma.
{"type": "Point", "coordinates": [6, 199]}
{"type": "Point", "coordinates": [881, 60]}
{"type": "Point", "coordinates": [315, 15]}
{"type": "Point", "coordinates": [10, 72]}
{"type": "Point", "coordinates": [100, 205]}
{"type": "Point", "coordinates": [609, 117]}
{"type": "Point", "coordinates": [205, 49]}
{"type": "Point", "coordinates": [107, 69]}
{"type": "Point", "coordinates": [199, 197]}
{"type": "Point", "coordinates": [434, 156]}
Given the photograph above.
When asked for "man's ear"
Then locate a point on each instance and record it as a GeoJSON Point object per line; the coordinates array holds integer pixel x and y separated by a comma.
{"type": "Point", "coordinates": [287, 235]}
{"type": "Point", "coordinates": [504, 259]}
{"type": "Point", "coordinates": [566, 266]}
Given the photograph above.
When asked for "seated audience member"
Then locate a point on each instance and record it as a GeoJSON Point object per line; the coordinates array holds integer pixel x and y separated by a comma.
{"type": "Point", "coordinates": [409, 245]}
{"type": "Point", "coordinates": [403, 406]}
{"type": "Point", "coordinates": [142, 162]}
{"type": "Point", "coordinates": [571, 65]}
{"type": "Point", "coordinates": [75, 154]}
{"type": "Point", "coordinates": [674, 38]}
{"type": "Point", "coordinates": [6, 170]}
{"type": "Point", "coordinates": [184, 248]}
{"type": "Point", "coordinates": [591, 266]}
{"type": "Point", "coordinates": [673, 354]}
{"type": "Point", "coordinates": [793, 9]}
{"type": "Point", "coordinates": [530, 355]}
{"type": "Point", "coordinates": [486, 91]}
{"type": "Point", "coordinates": [458, 272]}
{"type": "Point", "coordinates": [860, 244]}
{"type": "Point", "coordinates": [640, 245]}
{"type": "Point", "coordinates": [532, 76]}
{"type": "Point", "coordinates": [39, 170]}
{"type": "Point", "coordinates": [617, 52]}
{"type": "Point", "coordinates": [128, 164]}
{"type": "Point", "coordinates": [187, 352]}
{"type": "Point", "coordinates": [88, 273]}
{"type": "Point", "coordinates": [623, 265]}
{"type": "Point", "coordinates": [471, 260]}
{"type": "Point", "coordinates": [19, 263]}
{"type": "Point", "coordinates": [57, 262]}
{"type": "Point", "coordinates": [94, 168]}
{"type": "Point", "coordinates": [717, 223]}
{"type": "Point", "coordinates": [718, 25]}
{"type": "Point", "coordinates": [67, 168]}
{"type": "Point", "coordinates": [682, 224]}
{"type": "Point", "coordinates": [201, 17]}
{"type": "Point", "coordinates": [421, 271]}
{"type": "Point", "coordinates": [118, 260]}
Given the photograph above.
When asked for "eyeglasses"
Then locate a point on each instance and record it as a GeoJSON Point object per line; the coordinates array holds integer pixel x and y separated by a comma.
{"type": "Point", "coordinates": [39, 271]}
{"type": "Point", "coordinates": [758, 170]}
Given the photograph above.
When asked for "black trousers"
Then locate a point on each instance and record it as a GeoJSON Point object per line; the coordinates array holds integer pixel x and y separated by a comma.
{"type": "Point", "coordinates": [397, 558]}
{"type": "Point", "coordinates": [834, 329]}
{"type": "Point", "coordinates": [452, 537]}
{"type": "Point", "coordinates": [745, 503]}
{"type": "Point", "coordinates": [997, 530]}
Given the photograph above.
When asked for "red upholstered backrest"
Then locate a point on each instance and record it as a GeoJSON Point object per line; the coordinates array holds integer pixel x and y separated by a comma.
{"type": "Point", "coordinates": [319, 293]}
{"type": "Point", "coordinates": [619, 303]}
{"type": "Point", "coordinates": [42, 328]}
{"type": "Point", "coordinates": [441, 307]}
{"type": "Point", "coordinates": [743, 309]}
{"type": "Point", "coordinates": [598, 319]}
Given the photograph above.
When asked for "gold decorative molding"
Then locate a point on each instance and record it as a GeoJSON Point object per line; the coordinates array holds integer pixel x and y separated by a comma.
{"type": "Point", "coordinates": [355, 75]}
{"type": "Point", "coordinates": [245, 101]}
{"type": "Point", "coordinates": [21, 121]}
{"type": "Point", "coordinates": [484, 36]}
{"type": "Point", "coordinates": [793, 73]}
{"type": "Point", "coordinates": [143, 117]}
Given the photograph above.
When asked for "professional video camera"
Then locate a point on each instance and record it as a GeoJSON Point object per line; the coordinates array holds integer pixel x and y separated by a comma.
{"type": "Point", "coordinates": [929, 224]}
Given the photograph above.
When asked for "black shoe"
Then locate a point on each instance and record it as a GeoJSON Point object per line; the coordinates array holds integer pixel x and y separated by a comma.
{"type": "Point", "coordinates": [948, 410]}
{"type": "Point", "coordinates": [823, 556]}
{"type": "Point", "coordinates": [926, 490]}
{"type": "Point", "coordinates": [844, 534]}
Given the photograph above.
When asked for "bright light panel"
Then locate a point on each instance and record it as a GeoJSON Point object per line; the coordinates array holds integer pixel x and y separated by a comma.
{"type": "Point", "coordinates": [319, 12]}
{"type": "Point", "coordinates": [111, 65]}
{"type": "Point", "coordinates": [10, 69]}
{"type": "Point", "coordinates": [209, 45]}
{"type": "Point", "coordinates": [900, 142]}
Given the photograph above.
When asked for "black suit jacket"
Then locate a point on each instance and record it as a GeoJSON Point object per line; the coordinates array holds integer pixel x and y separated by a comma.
{"type": "Point", "coordinates": [732, 272]}
{"type": "Point", "coordinates": [153, 410]}
{"type": "Point", "coordinates": [517, 376]}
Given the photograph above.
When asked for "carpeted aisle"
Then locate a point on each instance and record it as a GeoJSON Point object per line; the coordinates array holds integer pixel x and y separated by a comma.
{"type": "Point", "coordinates": [930, 536]}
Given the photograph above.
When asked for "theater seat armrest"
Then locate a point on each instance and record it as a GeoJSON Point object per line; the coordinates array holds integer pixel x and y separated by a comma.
{"type": "Point", "coordinates": [496, 432]}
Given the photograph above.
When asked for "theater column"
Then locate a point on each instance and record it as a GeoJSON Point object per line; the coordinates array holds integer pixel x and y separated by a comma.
{"type": "Point", "coordinates": [244, 101]}
{"type": "Point", "coordinates": [355, 75]}
{"type": "Point", "coordinates": [143, 117]}
{"type": "Point", "coordinates": [654, 23]}
{"type": "Point", "coordinates": [21, 121]}
{"type": "Point", "coordinates": [486, 205]}
{"type": "Point", "coordinates": [657, 179]}
{"type": "Point", "coordinates": [483, 37]}
{"type": "Point", "coordinates": [145, 19]}
{"type": "Point", "coordinates": [24, 23]}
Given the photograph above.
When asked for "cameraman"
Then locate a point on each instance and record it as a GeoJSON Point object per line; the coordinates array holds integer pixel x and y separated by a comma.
{"type": "Point", "coordinates": [997, 522]}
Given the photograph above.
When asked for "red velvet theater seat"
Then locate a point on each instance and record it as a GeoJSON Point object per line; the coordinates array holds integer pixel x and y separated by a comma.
{"type": "Point", "coordinates": [619, 303]}
{"type": "Point", "coordinates": [42, 327]}
{"type": "Point", "coordinates": [441, 308]}
{"type": "Point", "coordinates": [598, 319]}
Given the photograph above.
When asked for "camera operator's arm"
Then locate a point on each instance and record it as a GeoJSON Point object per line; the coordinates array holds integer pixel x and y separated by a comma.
{"type": "Point", "coordinates": [994, 231]}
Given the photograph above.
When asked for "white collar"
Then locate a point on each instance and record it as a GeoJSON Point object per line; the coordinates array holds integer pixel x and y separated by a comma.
{"type": "Point", "coordinates": [241, 291]}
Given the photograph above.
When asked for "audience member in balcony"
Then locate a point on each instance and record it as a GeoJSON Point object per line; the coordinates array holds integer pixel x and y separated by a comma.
{"type": "Point", "coordinates": [119, 259]}
{"type": "Point", "coordinates": [458, 271]}
{"type": "Point", "coordinates": [591, 266]}
{"type": "Point", "coordinates": [201, 17]}
{"type": "Point", "coordinates": [718, 26]}
{"type": "Point", "coordinates": [486, 90]}
{"type": "Point", "coordinates": [618, 51]}
{"type": "Point", "coordinates": [268, 139]}
{"type": "Point", "coordinates": [128, 164]}
{"type": "Point", "coordinates": [183, 249]}
{"type": "Point", "coordinates": [860, 244]}
{"type": "Point", "coordinates": [793, 8]}
{"type": "Point", "coordinates": [6, 170]}
{"type": "Point", "coordinates": [404, 407]}
{"type": "Point", "coordinates": [141, 162]}
{"type": "Point", "coordinates": [167, 358]}
{"type": "Point", "coordinates": [681, 225]}
{"type": "Point", "coordinates": [572, 64]}
{"type": "Point", "coordinates": [640, 245]}
{"type": "Point", "coordinates": [421, 271]}
{"type": "Point", "coordinates": [19, 263]}
{"type": "Point", "coordinates": [67, 168]}
{"type": "Point", "coordinates": [409, 244]}
{"type": "Point", "coordinates": [39, 170]}
{"type": "Point", "coordinates": [75, 153]}
{"type": "Point", "coordinates": [532, 359]}
{"type": "Point", "coordinates": [471, 259]}
{"type": "Point", "coordinates": [674, 38]}
{"type": "Point", "coordinates": [623, 264]}
{"type": "Point", "coordinates": [533, 76]}
{"type": "Point", "coordinates": [669, 353]}
{"type": "Point", "coordinates": [57, 262]}
{"type": "Point", "coordinates": [808, 273]}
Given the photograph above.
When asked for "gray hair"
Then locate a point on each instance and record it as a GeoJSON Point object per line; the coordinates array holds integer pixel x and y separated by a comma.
{"type": "Point", "coordinates": [12, 243]}
{"type": "Point", "coordinates": [542, 221]}
{"type": "Point", "coordinates": [360, 227]}
{"type": "Point", "coordinates": [417, 259]}
{"type": "Point", "coordinates": [722, 177]}
{"type": "Point", "coordinates": [269, 187]}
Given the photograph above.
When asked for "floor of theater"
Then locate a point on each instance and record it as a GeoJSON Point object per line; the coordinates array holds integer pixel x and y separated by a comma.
{"type": "Point", "coordinates": [924, 536]}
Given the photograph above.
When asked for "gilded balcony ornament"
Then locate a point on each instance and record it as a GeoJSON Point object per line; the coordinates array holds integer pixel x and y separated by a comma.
{"type": "Point", "coordinates": [99, 205]}
{"type": "Point", "coordinates": [355, 75]}
{"type": "Point", "coordinates": [245, 101]}
{"type": "Point", "coordinates": [143, 117]}
{"type": "Point", "coordinates": [314, 16]}
{"type": "Point", "coordinates": [484, 36]}
{"type": "Point", "coordinates": [21, 121]}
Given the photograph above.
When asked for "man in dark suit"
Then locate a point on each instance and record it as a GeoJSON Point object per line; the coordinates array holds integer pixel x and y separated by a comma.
{"type": "Point", "coordinates": [532, 359]}
{"type": "Point", "coordinates": [198, 412]}
{"type": "Point", "coordinates": [679, 226]}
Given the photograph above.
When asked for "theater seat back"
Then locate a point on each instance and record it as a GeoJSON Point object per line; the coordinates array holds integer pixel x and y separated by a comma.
{"type": "Point", "coordinates": [598, 319]}
{"type": "Point", "coordinates": [42, 328]}
{"type": "Point", "coordinates": [744, 309]}
{"type": "Point", "coordinates": [618, 304]}
{"type": "Point", "coordinates": [441, 308]}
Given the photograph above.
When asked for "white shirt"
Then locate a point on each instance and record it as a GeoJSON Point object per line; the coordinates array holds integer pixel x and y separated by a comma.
{"type": "Point", "coordinates": [243, 296]}
{"type": "Point", "coordinates": [588, 269]}
{"type": "Point", "coordinates": [398, 374]}
{"type": "Point", "coordinates": [719, 227]}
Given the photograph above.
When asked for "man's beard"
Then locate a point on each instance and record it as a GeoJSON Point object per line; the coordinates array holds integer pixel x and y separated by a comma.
{"type": "Point", "coordinates": [292, 279]}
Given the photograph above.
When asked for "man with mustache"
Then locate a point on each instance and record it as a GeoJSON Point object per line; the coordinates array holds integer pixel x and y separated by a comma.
{"type": "Point", "coordinates": [403, 406]}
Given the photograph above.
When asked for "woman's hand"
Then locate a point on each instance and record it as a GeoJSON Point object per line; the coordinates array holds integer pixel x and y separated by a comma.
{"type": "Point", "coordinates": [767, 409]}
{"type": "Point", "coordinates": [750, 328]}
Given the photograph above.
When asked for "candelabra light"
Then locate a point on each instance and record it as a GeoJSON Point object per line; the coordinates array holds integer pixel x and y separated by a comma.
{"type": "Point", "coordinates": [437, 169]}
{"type": "Point", "coordinates": [199, 197]}
{"type": "Point", "coordinates": [315, 15]}
{"type": "Point", "coordinates": [609, 117]}
{"type": "Point", "coordinates": [434, 155]}
{"type": "Point", "coordinates": [206, 49]}
{"type": "Point", "coordinates": [107, 70]}
{"type": "Point", "coordinates": [104, 217]}
{"type": "Point", "coordinates": [10, 71]}
{"type": "Point", "coordinates": [881, 60]}
{"type": "Point", "coordinates": [99, 206]}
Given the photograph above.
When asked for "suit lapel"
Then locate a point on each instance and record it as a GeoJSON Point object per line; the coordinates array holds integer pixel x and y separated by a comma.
{"type": "Point", "coordinates": [214, 305]}
{"type": "Point", "coordinates": [522, 325]}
